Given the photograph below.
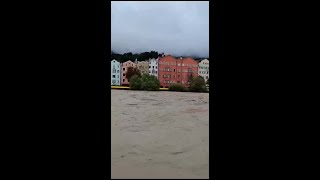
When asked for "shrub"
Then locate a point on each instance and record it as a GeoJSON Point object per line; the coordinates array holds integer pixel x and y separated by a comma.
{"type": "Point", "coordinates": [149, 83]}
{"type": "Point", "coordinates": [198, 84]}
{"type": "Point", "coordinates": [146, 82]}
{"type": "Point", "coordinates": [176, 87]}
{"type": "Point", "coordinates": [135, 82]}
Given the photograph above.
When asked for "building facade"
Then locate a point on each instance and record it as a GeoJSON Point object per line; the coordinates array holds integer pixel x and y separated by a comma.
{"type": "Point", "coordinates": [124, 69]}
{"type": "Point", "coordinates": [172, 70]}
{"type": "Point", "coordinates": [143, 66]}
{"type": "Point", "coordinates": [203, 69]}
{"type": "Point", "coordinates": [115, 73]}
{"type": "Point", "coordinates": [187, 68]}
{"type": "Point", "coordinates": [153, 67]}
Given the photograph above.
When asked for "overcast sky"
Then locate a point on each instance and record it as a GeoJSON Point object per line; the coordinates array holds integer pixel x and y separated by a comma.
{"type": "Point", "coordinates": [177, 28]}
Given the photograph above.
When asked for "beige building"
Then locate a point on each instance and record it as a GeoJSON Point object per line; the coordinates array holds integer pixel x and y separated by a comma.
{"type": "Point", "coordinates": [203, 69]}
{"type": "Point", "coordinates": [143, 66]}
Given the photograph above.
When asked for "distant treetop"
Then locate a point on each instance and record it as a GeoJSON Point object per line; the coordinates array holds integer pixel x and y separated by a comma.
{"type": "Point", "coordinates": [141, 56]}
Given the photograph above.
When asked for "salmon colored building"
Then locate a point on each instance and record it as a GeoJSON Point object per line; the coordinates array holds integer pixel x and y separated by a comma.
{"type": "Point", "coordinates": [172, 70]}
{"type": "Point", "coordinates": [124, 69]}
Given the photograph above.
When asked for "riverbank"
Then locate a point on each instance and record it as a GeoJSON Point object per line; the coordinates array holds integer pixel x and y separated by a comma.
{"type": "Point", "coordinates": [127, 88]}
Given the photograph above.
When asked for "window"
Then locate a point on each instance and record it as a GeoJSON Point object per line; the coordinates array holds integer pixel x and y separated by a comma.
{"type": "Point", "coordinates": [113, 76]}
{"type": "Point", "coordinates": [178, 76]}
{"type": "Point", "coordinates": [123, 74]}
{"type": "Point", "coordinates": [118, 71]}
{"type": "Point", "coordinates": [124, 69]}
{"type": "Point", "coordinates": [156, 71]}
{"type": "Point", "coordinates": [122, 80]}
{"type": "Point", "coordinates": [156, 67]}
{"type": "Point", "coordinates": [174, 70]}
{"type": "Point", "coordinates": [149, 67]}
{"type": "Point", "coordinates": [152, 67]}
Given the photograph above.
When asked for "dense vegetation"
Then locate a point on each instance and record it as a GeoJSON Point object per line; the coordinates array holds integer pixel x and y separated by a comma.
{"type": "Point", "coordinates": [177, 87]}
{"type": "Point", "coordinates": [140, 57]}
{"type": "Point", "coordinates": [145, 82]}
{"type": "Point", "coordinates": [129, 56]}
{"type": "Point", "coordinates": [198, 84]}
{"type": "Point", "coordinates": [135, 82]}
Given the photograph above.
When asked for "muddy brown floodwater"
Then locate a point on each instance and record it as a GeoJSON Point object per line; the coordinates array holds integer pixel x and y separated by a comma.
{"type": "Point", "coordinates": [159, 135]}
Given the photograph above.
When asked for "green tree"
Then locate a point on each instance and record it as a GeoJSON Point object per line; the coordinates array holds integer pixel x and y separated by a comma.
{"type": "Point", "coordinates": [150, 83]}
{"type": "Point", "coordinates": [198, 84]}
{"type": "Point", "coordinates": [132, 71]}
{"type": "Point", "coordinates": [135, 82]}
{"type": "Point", "coordinates": [176, 87]}
{"type": "Point", "coordinates": [146, 82]}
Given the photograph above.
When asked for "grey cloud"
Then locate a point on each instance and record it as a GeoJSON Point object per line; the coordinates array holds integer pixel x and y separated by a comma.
{"type": "Point", "coordinates": [177, 28]}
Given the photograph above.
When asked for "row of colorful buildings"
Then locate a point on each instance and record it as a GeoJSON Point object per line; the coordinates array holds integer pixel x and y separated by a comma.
{"type": "Point", "coordinates": [167, 69]}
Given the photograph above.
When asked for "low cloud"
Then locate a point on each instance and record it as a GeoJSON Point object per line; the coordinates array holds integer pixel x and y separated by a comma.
{"type": "Point", "coordinates": [177, 28]}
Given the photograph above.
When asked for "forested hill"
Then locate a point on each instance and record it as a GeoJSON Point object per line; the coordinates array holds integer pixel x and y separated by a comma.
{"type": "Point", "coordinates": [142, 56]}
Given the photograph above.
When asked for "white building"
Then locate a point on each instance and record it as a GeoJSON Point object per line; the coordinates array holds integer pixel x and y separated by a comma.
{"type": "Point", "coordinates": [115, 73]}
{"type": "Point", "coordinates": [153, 66]}
{"type": "Point", "coordinates": [203, 69]}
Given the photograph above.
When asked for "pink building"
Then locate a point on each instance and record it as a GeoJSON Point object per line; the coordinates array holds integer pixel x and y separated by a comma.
{"type": "Point", "coordinates": [124, 66]}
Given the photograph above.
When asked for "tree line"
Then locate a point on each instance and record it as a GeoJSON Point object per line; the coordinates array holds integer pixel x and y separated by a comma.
{"type": "Point", "coordinates": [130, 56]}
{"type": "Point", "coordinates": [140, 56]}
